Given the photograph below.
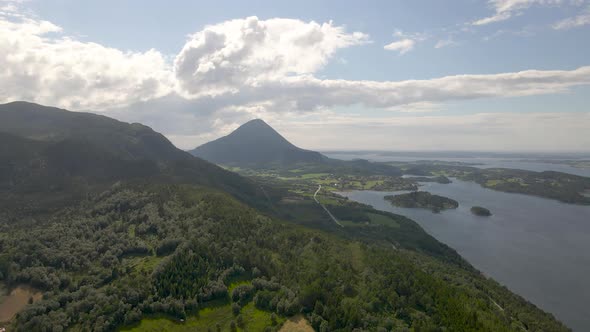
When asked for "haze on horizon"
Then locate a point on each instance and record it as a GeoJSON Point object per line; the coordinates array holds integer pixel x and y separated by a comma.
{"type": "Point", "coordinates": [498, 75]}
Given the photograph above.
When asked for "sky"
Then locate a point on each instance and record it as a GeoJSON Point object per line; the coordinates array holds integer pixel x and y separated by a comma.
{"type": "Point", "coordinates": [497, 75]}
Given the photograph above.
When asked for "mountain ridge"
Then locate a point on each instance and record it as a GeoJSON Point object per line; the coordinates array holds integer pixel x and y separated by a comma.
{"type": "Point", "coordinates": [71, 154]}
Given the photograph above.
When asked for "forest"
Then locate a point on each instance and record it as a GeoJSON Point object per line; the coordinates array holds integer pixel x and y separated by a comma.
{"type": "Point", "coordinates": [143, 250]}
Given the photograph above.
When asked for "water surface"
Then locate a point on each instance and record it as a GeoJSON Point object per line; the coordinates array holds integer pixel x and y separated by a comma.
{"type": "Point", "coordinates": [538, 248]}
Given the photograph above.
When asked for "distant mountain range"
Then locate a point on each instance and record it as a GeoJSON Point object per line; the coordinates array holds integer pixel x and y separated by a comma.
{"type": "Point", "coordinates": [255, 143]}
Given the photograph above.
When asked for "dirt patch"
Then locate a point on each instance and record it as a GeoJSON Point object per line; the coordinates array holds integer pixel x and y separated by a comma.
{"type": "Point", "coordinates": [296, 324]}
{"type": "Point", "coordinates": [14, 302]}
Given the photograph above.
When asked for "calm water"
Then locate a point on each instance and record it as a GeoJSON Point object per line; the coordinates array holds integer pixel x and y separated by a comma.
{"type": "Point", "coordinates": [481, 162]}
{"type": "Point", "coordinates": [538, 248]}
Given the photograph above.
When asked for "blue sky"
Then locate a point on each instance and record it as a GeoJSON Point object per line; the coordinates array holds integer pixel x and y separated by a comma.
{"type": "Point", "coordinates": [429, 40]}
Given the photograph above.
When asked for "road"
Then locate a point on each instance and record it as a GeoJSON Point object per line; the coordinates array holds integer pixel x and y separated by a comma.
{"type": "Point", "coordinates": [325, 208]}
{"type": "Point", "coordinates": [316, 193]}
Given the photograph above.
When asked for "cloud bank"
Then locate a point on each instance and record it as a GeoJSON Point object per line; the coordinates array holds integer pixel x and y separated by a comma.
{"type": "Point", "coordinates": [39, 63]}
{"type": "Point", "coordinates": [249, 62]}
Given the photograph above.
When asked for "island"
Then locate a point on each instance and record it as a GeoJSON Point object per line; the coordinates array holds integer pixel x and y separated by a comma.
{"type": "Point", "coordinates": [424, 200]}
{"type": "Point", "coordinates": [480, 211]}
{"type": "Point", "coordinates": [567, 188]}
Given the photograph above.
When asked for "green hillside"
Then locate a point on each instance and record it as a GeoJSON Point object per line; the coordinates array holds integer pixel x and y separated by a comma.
{"type": "Point", "coordinates": [170, 251]}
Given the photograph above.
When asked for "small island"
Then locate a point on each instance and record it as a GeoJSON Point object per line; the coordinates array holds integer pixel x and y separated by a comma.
{"type": "Point", "coordinates": [424, 200]}
{"type": "Point", "coordinates": [480, 211]}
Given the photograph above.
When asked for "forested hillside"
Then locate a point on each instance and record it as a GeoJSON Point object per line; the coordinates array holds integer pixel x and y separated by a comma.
{"type": "Point", "coordinates": [51, 158]}
{"type": "Point", "coordinates": [137, 251]}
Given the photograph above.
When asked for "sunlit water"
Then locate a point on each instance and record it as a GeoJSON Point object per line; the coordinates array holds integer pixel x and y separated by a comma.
{"type": "Point", "coordinates": [538, 248]}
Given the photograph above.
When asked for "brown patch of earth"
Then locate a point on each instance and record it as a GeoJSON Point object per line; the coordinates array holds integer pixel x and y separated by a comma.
{"type": "Point", "coordinates": [14, 302]}
{"type": "Point", "coordinates": [296, 324]}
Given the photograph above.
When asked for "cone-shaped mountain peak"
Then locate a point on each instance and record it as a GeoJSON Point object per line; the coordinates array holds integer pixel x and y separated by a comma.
{"type": "Point", "coordinates": [254, 142]}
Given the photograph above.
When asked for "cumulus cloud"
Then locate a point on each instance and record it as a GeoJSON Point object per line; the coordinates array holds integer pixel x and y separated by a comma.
{"type": "Point", "coordinates": [402, 46]}
{"type": "Point", "coordinates": [405, 42]}
{"type": "Point", "coordinates": [505, 9]}
{"type": "Point", "coordinates": [223, 57]}
{"type": "Point", "coordinates": [39, 63]}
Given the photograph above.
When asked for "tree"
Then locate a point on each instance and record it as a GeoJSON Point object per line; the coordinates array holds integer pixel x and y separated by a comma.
{"type": "Point", "coordinates": [240, 321]}
{"type": "Point", "coordinates": [235, 308]}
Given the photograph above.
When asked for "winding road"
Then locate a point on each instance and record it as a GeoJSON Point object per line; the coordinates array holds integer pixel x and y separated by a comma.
{"type": "Point", "coordinates": [325, 208]}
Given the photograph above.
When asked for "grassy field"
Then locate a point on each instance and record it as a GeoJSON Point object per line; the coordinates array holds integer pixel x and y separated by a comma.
{"type": "Point", "coordinates": [376, 219]}
{"type": "Point", "coordinates": [209, 318]}
{"type": "Point", "coordinates": [379, 219]}
{"type": "Point", "coordinates": [142, 264]}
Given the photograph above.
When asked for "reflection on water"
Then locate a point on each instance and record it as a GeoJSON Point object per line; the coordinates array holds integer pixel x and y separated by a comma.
{"type": "Point", "coordinates": [538, 248]}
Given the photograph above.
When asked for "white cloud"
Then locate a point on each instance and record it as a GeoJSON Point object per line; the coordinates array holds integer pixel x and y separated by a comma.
{"type": "Point", "coordinates": [307, 93]}
{"type": "Point", "coordinates": [405, 42]}
{"type": "Point", "coordinates": [444, 43]}
{"type": "Point", "coordinates": [223, 57]}
{"type": "Point", "coordinates": [38, 63]}
{"type": "Point", "coordinates": [246, 64]}
{"type": "Point", "coordinates": [573, 22]}
{"type": "Point", "coordinates": [505, 9]}
{"type": "Point", "coordinates": [402, 46]}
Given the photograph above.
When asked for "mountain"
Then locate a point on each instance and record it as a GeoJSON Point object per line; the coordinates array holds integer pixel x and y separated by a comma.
{"type": "Point", "coordinates": [49, 124]}
{"type": "Point", "coordinates": [73, 154]}
{"type": "Point", "coordinates": [255, 142]}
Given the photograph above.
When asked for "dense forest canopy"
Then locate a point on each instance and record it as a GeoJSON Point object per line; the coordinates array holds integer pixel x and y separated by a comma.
{"type": "Point", "coordinates": [171, 250]}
